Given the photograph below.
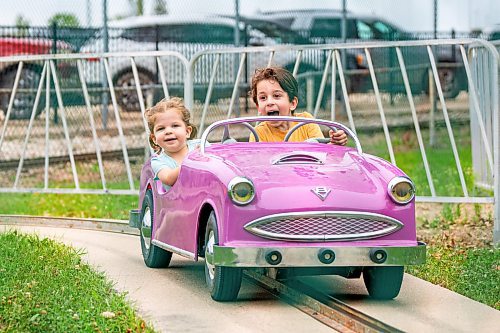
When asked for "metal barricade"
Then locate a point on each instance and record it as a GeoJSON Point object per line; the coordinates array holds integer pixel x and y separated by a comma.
{"type": "Point", "coordinates": [382, 73]}
{"type": "Point", "coordinates": [83, 146]}
{"type": "Point", "coordinates": [392, 92]}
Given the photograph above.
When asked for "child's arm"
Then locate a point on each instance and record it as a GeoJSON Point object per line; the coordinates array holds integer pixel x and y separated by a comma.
{"type": "Point", "coordinates": [168, 176]}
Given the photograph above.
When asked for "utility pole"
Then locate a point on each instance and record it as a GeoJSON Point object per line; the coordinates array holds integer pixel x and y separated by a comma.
{"type": "Point", "coordinates": [89, 14]}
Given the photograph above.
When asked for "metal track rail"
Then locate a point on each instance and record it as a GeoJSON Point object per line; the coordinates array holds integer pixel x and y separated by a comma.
{"type": "Point", "coordinates": [324, 308]}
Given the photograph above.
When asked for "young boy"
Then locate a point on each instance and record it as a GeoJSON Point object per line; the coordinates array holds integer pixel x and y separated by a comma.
{"type": "Point", "coordinates": [274, 90]}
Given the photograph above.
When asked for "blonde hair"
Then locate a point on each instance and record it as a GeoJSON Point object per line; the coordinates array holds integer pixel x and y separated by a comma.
{"type": "Point", "coordinates": [174, 103]}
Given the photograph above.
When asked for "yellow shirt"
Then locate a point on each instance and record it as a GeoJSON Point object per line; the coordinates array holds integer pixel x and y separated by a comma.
{"type": "Point", "coordinates": [267, 133]}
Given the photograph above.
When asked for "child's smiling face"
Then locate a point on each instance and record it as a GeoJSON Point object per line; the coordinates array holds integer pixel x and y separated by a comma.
{"type": "Point", "coordinates": [272, 100]}
{"type": "Point", "coordinates": [170, 131]}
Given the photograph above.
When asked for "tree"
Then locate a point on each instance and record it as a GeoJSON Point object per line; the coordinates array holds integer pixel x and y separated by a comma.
{"type": "Point", "coordinates": [137, 7]}
{"type": "Point", "coordinates": [66, 20]}
{"type": "Point", "coordinates": [22, 25]}
{"type": "Point", "coordinates": [160, 7]}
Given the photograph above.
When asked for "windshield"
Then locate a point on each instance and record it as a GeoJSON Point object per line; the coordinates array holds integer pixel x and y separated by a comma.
{"type": "Point", "coordinates": [277, 32]}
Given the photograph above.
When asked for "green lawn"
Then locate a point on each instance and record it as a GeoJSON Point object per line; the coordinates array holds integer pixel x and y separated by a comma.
{"type": "Point", "coordinates": [46, 287]}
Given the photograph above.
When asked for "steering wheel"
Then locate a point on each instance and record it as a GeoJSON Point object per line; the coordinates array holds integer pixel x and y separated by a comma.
{"type": "Point", "coordinates": [296, 127]}
{"type": "Point", "coordinates": [227, 138]}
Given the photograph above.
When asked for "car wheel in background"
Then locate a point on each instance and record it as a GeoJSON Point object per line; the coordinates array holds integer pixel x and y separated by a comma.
{"type": "Point", "coordinates": [25, 95]}
{"type": "Point", "coordinates": [154, 256]}
{"type": "Point", "coordinates": [449, 82]}
{"type": "Point", "coordinates": [126, 91]}
{"type": "Point", "coordinates": [383, 282]}
{"type": "Point", "coordinates": [224, 282]}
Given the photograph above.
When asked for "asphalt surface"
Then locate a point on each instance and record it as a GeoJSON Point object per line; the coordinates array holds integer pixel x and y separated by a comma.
{"type": "Point", "coordinates": [176, 300]}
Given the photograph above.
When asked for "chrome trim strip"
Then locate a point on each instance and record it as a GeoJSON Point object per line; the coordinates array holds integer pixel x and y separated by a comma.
{"type": "Point", "coordinates": [294, 158]}
{"type": "Point", "coordinates": [252, 226]}
{"type": "Point", "coordinates": [308, 256]}
{"type": "Point", "coordinates": [173, 249]}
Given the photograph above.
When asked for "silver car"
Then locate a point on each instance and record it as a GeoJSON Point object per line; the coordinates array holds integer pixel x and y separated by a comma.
{"type": "Point", "coordinates": [187, 36]}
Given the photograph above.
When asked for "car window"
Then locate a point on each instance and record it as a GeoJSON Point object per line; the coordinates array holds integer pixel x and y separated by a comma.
{"type": "Point", "coordinates": [332, 28]}
{"type": "Point", "coordinates": [364, 30]}
{"type": "Point", "coordinates": [495, 35]}
{"type": "Point", "coordinates": [182, 33]}
{"type": "Point", "coordinates": [278, 33]}
{"type": "Point", "coordinates": [142, 34]}
{"type": "Point", "coordinates": [384, 31]}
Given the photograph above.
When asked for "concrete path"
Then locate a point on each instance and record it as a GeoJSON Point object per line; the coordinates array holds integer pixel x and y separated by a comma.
{"type": "Point", "coordinates": [175, 299]}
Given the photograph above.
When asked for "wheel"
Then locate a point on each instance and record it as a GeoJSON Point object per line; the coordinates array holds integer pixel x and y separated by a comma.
{"type": "Point", "coordinates": [126, 91]}
{"type": "Point", "coordinates": [449, 82]}
{"type": "Point", "coordinates": [154, 256]}
{"type": "Point", "coordinates": [383, 282]}
{"type": "Point", "coordinates": [24, 100]}
{"type": "Point", "coordinates": [223, 282]}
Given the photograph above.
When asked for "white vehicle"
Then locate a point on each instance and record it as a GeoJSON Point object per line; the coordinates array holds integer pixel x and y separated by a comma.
{"type": "Point", "coordinates": [492, 32]}
{"type": "Point", "coordinates": [186, 36]}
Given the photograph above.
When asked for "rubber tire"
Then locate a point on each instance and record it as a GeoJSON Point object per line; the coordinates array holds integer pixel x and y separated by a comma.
{"type": "Point", "coordinates": [23, 104]}
{"type": "Point", "coordinates": [127, 97]}
{"type": "Point", "coordinates": [223, 282]}
{"type": "Point", "coordinates": [383, 282]}
{"type": "Point", "coordinates": [450, 89]}
{"type": "Point", "coordinates": [154, 256]}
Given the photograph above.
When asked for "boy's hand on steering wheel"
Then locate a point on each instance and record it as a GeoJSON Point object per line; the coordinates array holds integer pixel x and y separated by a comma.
{"type": "Point", "coordinates": [338, 137]}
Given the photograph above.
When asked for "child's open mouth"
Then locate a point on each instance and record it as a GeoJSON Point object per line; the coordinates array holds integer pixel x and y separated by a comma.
{"type": "Point", "coordinates": [273, 113]}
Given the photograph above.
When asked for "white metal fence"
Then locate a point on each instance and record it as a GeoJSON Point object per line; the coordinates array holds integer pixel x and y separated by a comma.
{"type": "Point", "coordinates": [395, 93]}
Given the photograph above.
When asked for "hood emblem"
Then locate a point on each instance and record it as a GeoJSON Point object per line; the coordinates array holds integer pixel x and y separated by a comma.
{"type": "Point", "coordinates": [321, 191]}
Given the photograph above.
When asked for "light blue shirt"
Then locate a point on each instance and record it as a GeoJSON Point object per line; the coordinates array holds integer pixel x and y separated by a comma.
{"type": "Point", "coordinates": [162, 160]}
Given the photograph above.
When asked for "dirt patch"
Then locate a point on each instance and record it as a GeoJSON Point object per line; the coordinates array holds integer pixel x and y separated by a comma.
{"type": "Point", "coordinates": [455, 225]}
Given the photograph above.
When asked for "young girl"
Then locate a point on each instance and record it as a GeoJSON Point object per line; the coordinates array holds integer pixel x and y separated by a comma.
{"type": "Point", "coordinates": [170, 127]}
{"type": "Point", "coordinates": [275, 92]}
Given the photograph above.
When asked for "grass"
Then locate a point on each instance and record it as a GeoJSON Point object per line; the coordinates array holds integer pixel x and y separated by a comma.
{"type": "Point", "coordinates": [69, 205]}
{"type": "Point", "coordinates": [54, 291]}
{"type": "Point", "coordinates": [460, 254]}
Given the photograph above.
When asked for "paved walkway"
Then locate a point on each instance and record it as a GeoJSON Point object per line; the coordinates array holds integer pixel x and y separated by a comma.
{"type": "Point", "coordinates": [176, 299]}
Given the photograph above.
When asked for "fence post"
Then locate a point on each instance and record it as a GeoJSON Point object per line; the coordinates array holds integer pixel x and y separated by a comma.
{"type": "Point", "coordinates": [432, 116]}
{"type": "Point", "coordinates": [54, 51]}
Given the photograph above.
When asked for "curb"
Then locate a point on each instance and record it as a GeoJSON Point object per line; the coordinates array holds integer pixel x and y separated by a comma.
{"type": "Point", "coordinates": [108, 225]}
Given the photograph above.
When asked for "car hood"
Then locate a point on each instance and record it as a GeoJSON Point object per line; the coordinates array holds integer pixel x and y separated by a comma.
{"type": "Point", "coordinates": [304, 168]}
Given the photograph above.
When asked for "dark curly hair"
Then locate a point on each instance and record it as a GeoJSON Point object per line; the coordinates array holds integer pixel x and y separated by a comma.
{"type": "Point", "coordinates": [285, 79]}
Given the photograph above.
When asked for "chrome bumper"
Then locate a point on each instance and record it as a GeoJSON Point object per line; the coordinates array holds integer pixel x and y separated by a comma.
{"type": "Point", "coordinates": [311, 256]}
{"type": "Point", "coordinates": [134, 218]}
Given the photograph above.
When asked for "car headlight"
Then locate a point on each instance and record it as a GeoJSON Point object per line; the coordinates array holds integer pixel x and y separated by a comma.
{"type": "Point", "coordinates": [401, 190]}
{"type": "Point", "coordinates": [241, 191]}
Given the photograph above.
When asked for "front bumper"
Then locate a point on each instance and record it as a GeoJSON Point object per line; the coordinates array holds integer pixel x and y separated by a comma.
{"type": "Point", "coordinates": [311, 256]}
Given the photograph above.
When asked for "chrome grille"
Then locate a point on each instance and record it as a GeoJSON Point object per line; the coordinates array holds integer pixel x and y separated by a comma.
{"type": "Point", "coordinates": [323, 226]}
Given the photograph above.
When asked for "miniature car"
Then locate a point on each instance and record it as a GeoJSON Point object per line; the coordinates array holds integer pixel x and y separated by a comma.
{"type": "Point", "coordinates": [298, 208]}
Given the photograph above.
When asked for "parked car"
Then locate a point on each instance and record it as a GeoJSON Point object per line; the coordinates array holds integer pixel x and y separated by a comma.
{"type": "Point", "coordinates": [295, 209]}
{"type": "Point", "coordinates": [30, 75]}
{"type": "Point", "coordinates": [325, 26]}
{"type": "Point", "coordinates": [492, 32]}
{"type": "Point", "coordinates": [187, 35]}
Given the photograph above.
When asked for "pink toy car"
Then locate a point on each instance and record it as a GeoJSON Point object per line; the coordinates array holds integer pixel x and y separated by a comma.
{"type": "Point", "coordinates": [291, 208]}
